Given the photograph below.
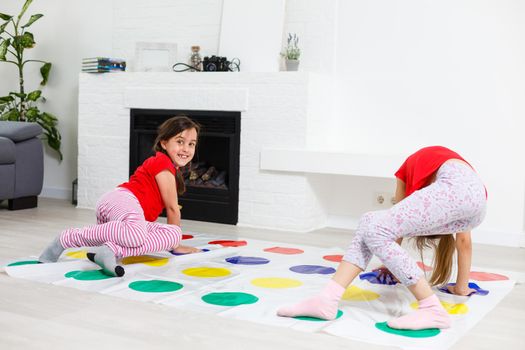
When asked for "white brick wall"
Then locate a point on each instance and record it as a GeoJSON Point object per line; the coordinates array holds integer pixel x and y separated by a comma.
{"type": "Point", "coordinates": [185, 22]}
{"type": "Point", "coordinates": [275, 112]}
{"type": "Point", "coordinates": [198, 22]}
{"type": "Point", "coordinates": [315, 22]}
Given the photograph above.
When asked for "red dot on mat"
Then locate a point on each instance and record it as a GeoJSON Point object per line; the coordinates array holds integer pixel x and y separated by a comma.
{"type": "Point", "coordinates": [282, 250]}
{"type": "Point", "coordinates": [485, 276]}
{"type": "Point", "coordinates": [334, 258]}
{"type": "Point", "coordinates": [424, 267]}
{"type": "Point", "coordinates": [187, 236]}
{"type": "Point", "coordinates": [226, 243]}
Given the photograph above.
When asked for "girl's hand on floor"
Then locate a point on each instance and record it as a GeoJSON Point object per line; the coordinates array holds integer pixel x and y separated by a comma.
{"type": "Point", "coordinates": [460, 291]}
{"type": "Point", "coordinates": [384, 275]}
{"type": "Point", "coordinates": [184, 249]}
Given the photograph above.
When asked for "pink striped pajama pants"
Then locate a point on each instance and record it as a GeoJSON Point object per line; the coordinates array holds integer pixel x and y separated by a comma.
{"type": "Point", "coordinates": [122, 227]}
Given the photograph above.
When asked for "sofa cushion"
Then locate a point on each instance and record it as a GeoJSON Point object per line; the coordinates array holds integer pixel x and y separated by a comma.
{"type": "Point", "coordinates": [19, 131]}
{"type": "Point", "coordinates": [7, 151]}
{"type": "Point", "coordinates": [7, 181]}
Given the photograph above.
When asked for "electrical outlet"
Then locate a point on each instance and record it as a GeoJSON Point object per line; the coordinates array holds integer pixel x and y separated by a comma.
{"type": "Point", "coordinates": [383, 200]}
{"type": "Point", "coordinates": [393, 200]}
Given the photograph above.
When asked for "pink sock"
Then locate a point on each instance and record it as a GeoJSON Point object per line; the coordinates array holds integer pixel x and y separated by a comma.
{"type": "Point", "coordinates": [323, 305]}
{"type": "Point", "coordinates": [430, 314]}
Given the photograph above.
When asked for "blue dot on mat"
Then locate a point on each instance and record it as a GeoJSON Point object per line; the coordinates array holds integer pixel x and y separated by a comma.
{"type": "Point", "coordinates": [247, 260]}
{"type": "Point", "coordinates": [312, 269]}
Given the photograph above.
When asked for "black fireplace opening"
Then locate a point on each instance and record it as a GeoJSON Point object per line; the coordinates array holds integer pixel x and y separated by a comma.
{"type": "Point", "coordinates": [212, 177]}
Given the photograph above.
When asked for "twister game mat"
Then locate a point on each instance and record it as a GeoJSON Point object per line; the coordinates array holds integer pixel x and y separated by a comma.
{"type": "Point", "coordinates": [248, 279]}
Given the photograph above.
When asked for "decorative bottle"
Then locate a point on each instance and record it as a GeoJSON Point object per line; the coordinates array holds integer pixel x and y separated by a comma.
{"type": "Point", "coordinates": [195, 59]}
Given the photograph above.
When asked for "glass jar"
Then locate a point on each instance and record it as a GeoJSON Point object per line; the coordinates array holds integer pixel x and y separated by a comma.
{"type": "Point", "coordinates": [195, 59]}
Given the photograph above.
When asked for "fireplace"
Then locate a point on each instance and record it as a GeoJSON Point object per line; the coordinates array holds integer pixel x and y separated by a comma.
{"type": "Point", "coordinates": [212, 178]}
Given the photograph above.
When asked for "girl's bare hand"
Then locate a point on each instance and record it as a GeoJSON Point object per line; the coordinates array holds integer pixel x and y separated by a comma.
{"type": "Point", "coordinates": [384, 275]}
{"type": "Point", "coordinates": [460, 291]}
{"type": "Point", "coordinates": [184, 249]}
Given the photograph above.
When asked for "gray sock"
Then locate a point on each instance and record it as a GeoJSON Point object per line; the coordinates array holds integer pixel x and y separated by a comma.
{"type": "Point", "coordinates": [52, 252]}
{"type": "Point", "coordinates": [105, 258]}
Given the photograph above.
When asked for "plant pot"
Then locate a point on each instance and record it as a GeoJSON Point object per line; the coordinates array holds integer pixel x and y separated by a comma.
{"type": "Point", "coordinates": [292, 65]}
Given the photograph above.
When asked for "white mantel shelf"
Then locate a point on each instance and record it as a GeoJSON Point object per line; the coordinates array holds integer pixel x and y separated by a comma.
{"type": "Point", "coordinates": [156, 79]}
{"type": "Point", "coordinates": [328, 162]}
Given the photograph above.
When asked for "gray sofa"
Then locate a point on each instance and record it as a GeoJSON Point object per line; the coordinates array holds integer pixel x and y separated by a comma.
{"type": "Point", "coordinates": [21, 164]}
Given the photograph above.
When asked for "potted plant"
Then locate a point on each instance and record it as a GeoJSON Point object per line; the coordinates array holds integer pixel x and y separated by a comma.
{"type": "Point", "coordinates": [292, 52]}
{"type": "Point", "coordinates": [22, 105]}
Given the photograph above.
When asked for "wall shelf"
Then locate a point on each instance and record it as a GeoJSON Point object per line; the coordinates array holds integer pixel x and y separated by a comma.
{"type": "Point", "coordinates": [326, 162]}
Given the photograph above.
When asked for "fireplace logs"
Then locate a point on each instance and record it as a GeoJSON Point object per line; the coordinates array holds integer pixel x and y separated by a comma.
{"type": "Point", "coordinates": [203, 175]}
{"type": "Point", "coordinates": [212, 179]}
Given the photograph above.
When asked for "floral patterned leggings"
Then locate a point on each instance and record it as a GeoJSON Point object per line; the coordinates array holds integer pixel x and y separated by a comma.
{"type": "Point", "coordinates": [455, 202]}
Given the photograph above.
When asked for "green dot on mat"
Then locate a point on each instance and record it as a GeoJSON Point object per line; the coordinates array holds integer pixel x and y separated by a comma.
{"type": "Point", "coordinates": [229, 298]}
{"type": "Point", "coordinates": [89, 275]}
{"type": "Point", "coordinates": [308, 318]}
{"type": "Point", "coordinates": [155, 286]}
{"type": "Point", "coordinates": [26, 262]}
{"type": "Point", "coordinates": [420, 333]}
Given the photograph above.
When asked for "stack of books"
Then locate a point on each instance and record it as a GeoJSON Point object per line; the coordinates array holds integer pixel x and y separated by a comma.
{"type": "Point", "coordinates": [103, 65]}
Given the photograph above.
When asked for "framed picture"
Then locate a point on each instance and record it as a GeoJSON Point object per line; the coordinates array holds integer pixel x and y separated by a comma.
{"type": "Point", "coordinates": [155, 57]}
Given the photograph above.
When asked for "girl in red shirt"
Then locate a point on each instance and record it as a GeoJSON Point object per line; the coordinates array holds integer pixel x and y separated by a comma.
{"type": "Point", "coordinates": [126, 216]}
{"type": "Point", "coordinates": [438, 195]}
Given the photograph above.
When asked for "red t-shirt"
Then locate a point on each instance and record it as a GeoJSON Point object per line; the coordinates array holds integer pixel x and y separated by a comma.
{"type": "Point", "coordinates": [418, 168]}
{"type": "Point", "coordinates": [144, 186]}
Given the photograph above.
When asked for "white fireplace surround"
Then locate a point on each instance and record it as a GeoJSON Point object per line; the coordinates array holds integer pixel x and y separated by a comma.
{"type": "Point", "coordinates": [278, 111]}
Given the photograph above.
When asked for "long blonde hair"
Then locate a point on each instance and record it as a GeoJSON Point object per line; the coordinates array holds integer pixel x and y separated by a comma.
{"type": "Point", "coordinates": [444, 247]}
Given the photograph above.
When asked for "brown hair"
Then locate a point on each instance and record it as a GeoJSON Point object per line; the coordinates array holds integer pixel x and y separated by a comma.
{"type": "Point", "coordinates": [444, 247]}
{"type": "Point", "coordinates": [166, 131]}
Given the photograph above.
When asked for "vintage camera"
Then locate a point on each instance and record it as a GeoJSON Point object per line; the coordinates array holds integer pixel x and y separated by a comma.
{"type": "Point", "coordinates": [215, 64]}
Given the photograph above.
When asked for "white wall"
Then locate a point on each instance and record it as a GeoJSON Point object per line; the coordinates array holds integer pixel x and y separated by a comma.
{"type": "Point", "coordinates": [315, 22]}
{"type": "Point", "coordinates": [415, 73]}
{"type": "Point", "coordinates": [67, 32]}
{"type": "Point", "coordinates": [187, 23]}
{"type": "Point", "coordinates": [409, 73]}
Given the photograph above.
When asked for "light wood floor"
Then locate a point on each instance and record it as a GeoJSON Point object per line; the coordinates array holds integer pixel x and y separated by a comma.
{"type": "Point", "coordinates": [41, 316]}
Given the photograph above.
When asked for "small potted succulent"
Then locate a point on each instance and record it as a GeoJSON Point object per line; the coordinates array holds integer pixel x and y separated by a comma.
{"type": "Point", "coordinates": [292, 52]}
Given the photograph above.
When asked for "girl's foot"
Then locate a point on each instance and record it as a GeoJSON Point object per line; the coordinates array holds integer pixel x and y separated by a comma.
{"type": "Point", "coordinates": [52, 252]}
{"type": "Point", "coordinates": [324, 305]}
{"type": "Point", "coordinates": [430, 314]}
{"type": "Point", "coordinates": [105, 258]}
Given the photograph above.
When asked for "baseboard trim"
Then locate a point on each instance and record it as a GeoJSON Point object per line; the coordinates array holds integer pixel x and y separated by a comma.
{"type": "Point", "coordinates": [342, 222]}
{"type": "Point", "coordinates": [497, 237]}
{"type": "Point", "coordinates": [56, 192]}
{"type": "Point", "coordinates": [479, 236]}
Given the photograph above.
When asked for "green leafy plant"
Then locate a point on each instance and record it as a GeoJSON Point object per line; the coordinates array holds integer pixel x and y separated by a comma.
{"type": "Point", "coordinates": [22, 105]}
{"type": "Point", "coordinates": [292, 50]}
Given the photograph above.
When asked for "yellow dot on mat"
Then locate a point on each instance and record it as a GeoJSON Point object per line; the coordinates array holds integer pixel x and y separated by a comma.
{"type": "Point", "coordinates": [354, 293]}
{"type": "Point", "coordinates": [77, 254]}
{"type": "Point", "coordinates": [145, 259]}
{"type": "Point", "coordinates": [453, 309]}
{"type": "Point", "coordinates": [276, 282]}
{"type": "Point", "coordinates": [206, 272]}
